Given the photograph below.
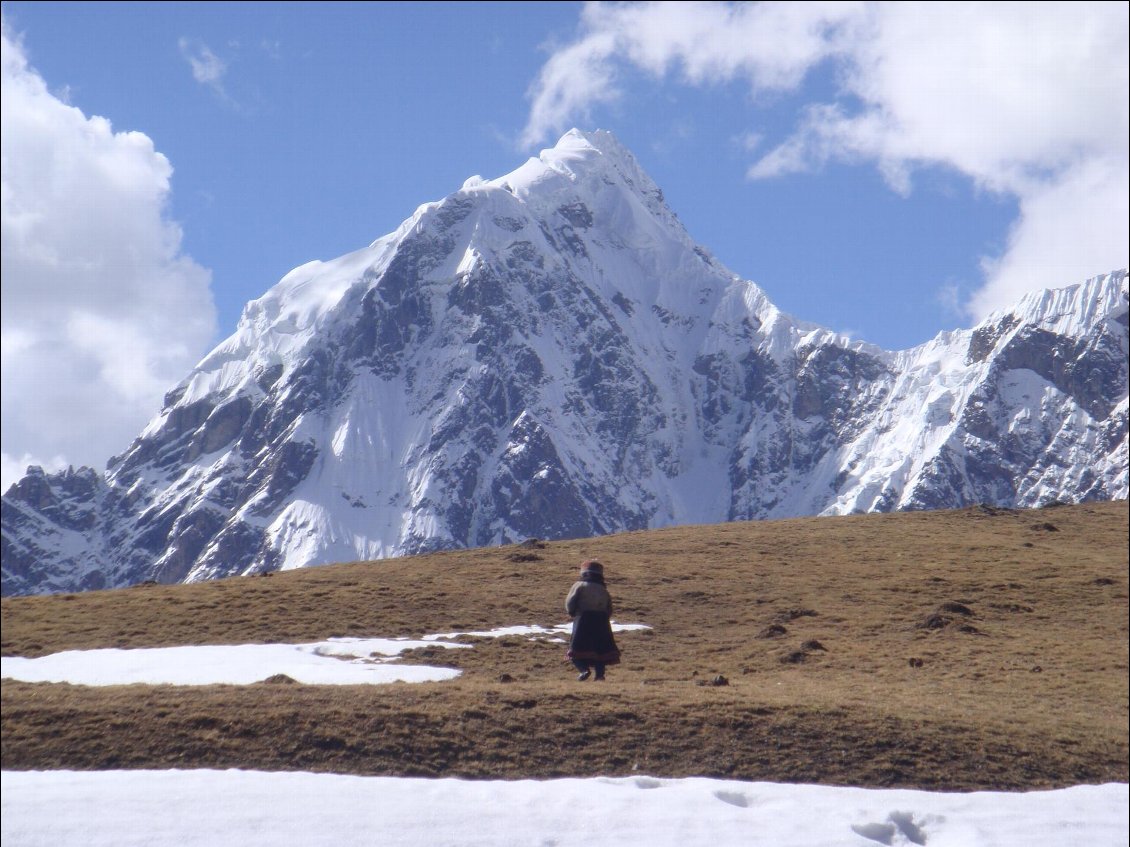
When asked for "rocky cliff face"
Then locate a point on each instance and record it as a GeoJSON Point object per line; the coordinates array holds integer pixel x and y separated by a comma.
{"type": "Point", "coordinates": [550, 354]}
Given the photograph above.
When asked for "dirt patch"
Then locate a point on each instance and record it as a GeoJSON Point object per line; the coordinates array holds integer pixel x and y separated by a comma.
{"type": "Point", "coordinates": [793, 614]}
{"type": "Point", "coordinates": [280, 679]}
{"type": "Point", "coordinates": [954, 608]}
{"type": "Point", "coordinates": [950, 615]}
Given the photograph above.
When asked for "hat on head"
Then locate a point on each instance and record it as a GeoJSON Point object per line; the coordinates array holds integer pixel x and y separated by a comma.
{"type": "Point", "coordinates": [592, 566]}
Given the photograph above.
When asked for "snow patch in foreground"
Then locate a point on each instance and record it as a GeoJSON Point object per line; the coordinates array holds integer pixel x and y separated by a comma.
{"type": "Point", "coordinates": [246, 809]}
{"type": "Point", "coordinates": [337, 661]}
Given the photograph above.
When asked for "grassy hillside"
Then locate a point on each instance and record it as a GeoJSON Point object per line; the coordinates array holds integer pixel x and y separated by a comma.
{"type": "Point", "coordinates": [973, 649]}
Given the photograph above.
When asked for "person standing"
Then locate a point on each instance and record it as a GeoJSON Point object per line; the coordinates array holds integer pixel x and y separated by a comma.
{"type": "Point", "coordinates": [589, 604]}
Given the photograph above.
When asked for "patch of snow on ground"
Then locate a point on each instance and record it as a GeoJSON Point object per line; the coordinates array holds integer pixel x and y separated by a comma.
{"type": "Point", "coordinates": [246, 809]}
{"type": "Point", "coordinates": [235, 664]}
{"type": "Point", "coordinates": [533, 631]}
{"type": "Point", "coordinates": [337, 661]}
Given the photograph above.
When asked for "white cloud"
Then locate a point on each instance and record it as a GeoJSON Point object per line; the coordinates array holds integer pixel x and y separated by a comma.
{"type": "Point", "coordinates": [102, 312]}
{"type": "Point", "coordinates": [574, 79]}
{"type": "Point", "coordinates": [207, 68]}
{"type": "Point", "coordinates": [1069, 228]}
{"type": "Point", "coordinates": [1030, 100]}
{"type": "Point", "coordinates": [770, 44]}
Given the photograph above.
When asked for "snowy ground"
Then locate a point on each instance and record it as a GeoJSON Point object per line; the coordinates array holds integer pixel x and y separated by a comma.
{"type": "Point", "coordinates": [243, 809]}
{"type": "Point", "coordinates": [338, 661]}
{"type": "Point", "coordinates": [221, 808]}
{"type": "Point", "coordinates": [366, 661]}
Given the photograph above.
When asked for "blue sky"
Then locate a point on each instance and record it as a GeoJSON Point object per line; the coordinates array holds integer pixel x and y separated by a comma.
{"type": "Point", "coordinates": [887, 170]}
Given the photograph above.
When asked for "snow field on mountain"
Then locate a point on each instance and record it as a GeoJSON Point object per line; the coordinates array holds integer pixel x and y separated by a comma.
{"type": "Point", "coordinates": [247, 809]}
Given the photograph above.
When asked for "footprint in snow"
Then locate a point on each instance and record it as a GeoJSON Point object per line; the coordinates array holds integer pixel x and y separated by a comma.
{"type": "Point", "coordinates": [734, 798]}
{"type": "Point", "coordinates": [899, 825]}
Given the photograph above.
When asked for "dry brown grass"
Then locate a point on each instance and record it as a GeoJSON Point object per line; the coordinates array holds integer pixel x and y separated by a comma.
{"type": "Point", "coordinates": [974, 649]}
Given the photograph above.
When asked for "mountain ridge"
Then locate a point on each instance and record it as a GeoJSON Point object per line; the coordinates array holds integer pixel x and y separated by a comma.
{"type": "Point", "coordinates": [550, 354]}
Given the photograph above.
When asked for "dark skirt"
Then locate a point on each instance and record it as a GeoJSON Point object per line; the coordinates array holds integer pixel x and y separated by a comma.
{"type": "Point", "coordinates": [592, 639]}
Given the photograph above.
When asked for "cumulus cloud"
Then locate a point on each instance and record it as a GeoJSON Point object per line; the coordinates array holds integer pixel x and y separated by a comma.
{"type": "Point", "coordinates": [102, 312]}
{"type": "Point", "coordinates": [1030, 100]}
{"type": "Point", "coordinates": [771, 44]}
{"type": "Point", "coordinates": [1069, 228]}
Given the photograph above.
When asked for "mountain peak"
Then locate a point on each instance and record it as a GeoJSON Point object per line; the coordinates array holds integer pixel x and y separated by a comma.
{"type": "Point", "coordinates": [590, 162]}
{"type": "Point", "coordinates": [1073, 308]}
{"type": "Point", "coordinates": [600, 140]}
{"type": "Point", "coordinates": [577, 150]}
{"type": "Point", "coordinates": [550, 354]}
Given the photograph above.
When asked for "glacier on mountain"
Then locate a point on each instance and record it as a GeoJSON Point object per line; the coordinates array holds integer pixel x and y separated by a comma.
{"type": "Point", "coordinates": [550, 354]}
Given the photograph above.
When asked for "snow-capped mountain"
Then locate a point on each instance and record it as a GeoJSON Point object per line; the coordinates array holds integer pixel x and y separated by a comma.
{"type": "Point", "coordinates": [550, 354]}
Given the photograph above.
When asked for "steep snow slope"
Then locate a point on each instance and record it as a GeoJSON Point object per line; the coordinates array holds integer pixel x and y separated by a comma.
{"type": "Point", "coordinates": [550, 354]}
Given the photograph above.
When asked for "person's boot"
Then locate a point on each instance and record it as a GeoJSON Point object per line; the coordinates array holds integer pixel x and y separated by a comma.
{"type": "Point", "coordinates": [583, 675]}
